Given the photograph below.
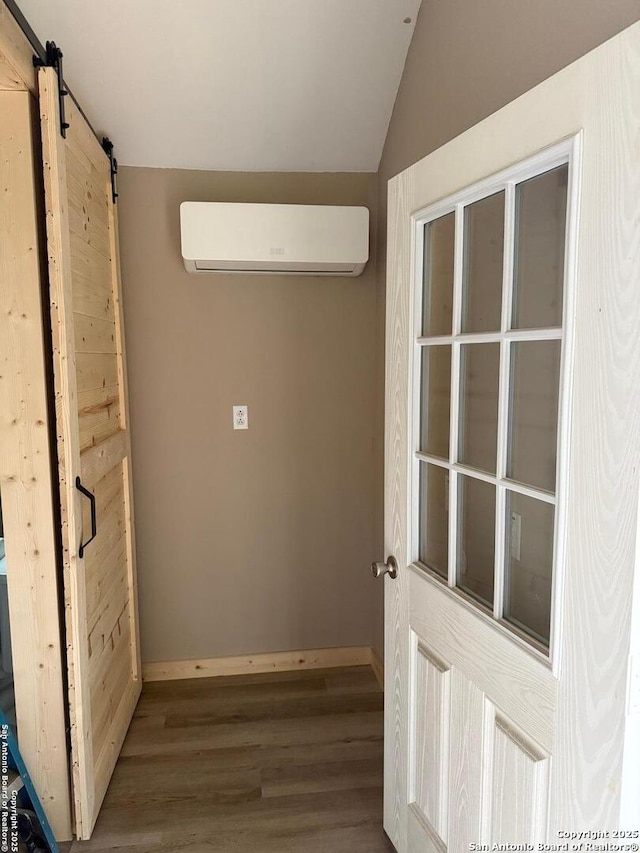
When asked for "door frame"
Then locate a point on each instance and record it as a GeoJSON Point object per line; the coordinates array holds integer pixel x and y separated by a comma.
{"type": "Point", "coordinates": [27, 455]}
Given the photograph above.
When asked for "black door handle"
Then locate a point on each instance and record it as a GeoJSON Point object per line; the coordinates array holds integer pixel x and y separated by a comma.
{"type": "Point", "coordinates": [94, 523]}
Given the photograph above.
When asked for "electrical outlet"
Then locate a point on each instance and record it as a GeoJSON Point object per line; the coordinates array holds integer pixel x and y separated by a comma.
{"type": "Point", "coordinates": [516, 535]}
{"type": "Point", "coordinates": [241, 417]}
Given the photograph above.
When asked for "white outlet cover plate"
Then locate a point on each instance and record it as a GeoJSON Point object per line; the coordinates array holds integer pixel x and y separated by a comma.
{"type": "Point", "coordinates": [241, 417]}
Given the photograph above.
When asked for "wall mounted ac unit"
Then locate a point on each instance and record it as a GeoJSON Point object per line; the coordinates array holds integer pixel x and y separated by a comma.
{"type": "Point", "coordinates": [229, 237]}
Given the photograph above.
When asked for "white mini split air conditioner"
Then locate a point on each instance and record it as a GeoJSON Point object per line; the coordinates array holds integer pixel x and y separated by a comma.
{"type": "Point", "coordinates": [226, 237]}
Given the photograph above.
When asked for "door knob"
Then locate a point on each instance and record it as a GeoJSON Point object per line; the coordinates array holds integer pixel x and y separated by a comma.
{"type": "Point", "coordinates": [389, 568]}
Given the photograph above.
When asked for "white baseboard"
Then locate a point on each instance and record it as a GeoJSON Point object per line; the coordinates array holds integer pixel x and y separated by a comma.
{"type": "Point", "coordinates": [264, 662]}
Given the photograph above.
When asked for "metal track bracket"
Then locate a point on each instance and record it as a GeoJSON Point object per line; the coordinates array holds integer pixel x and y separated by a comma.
{"type": "Point", "coordinates": [107, 144]}
{"type": "Point", "coordinates": [54, 60]}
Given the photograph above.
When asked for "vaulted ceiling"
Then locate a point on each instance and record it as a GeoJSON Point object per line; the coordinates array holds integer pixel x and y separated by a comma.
{"type": "Point", "coordinates": [248, 85]}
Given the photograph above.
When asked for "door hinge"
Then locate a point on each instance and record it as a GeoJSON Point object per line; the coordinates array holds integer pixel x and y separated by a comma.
{"type": "Point", "coordinates": [53, 59]}
{"type": "Point", "coordinates": [107, 144]}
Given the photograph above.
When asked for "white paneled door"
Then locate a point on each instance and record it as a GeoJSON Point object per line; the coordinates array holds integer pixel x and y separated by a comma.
{"type": "Point", "coordinates": [512, 442]}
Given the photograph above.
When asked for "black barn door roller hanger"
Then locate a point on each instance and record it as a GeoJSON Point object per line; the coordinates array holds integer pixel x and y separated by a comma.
{"type": "Point", "coordinates": [54, 60]}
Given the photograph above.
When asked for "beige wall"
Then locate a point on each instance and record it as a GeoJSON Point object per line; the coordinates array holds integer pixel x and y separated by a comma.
{"type": "Point", "coordinates": [259, 540]}
{"type": "Point", "coordinates": [466, 60]}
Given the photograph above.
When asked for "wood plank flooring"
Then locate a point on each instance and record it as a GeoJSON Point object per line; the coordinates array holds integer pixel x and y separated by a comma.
{"type": "Point", "coordinates": [276, 763]}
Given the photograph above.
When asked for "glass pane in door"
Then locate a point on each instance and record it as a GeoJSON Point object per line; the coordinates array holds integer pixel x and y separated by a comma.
{"type": "Point", "coordinates": [533, 415]}
{"type": "Point", "coordinates": [435, 400]}
{"type": "Point", "coordinates": [483, 259]}
{"type": "Point", "coordinates": [478, 428]}
{"type": "Point", "coordinates": [541, 212]}
{"type": "Point", "coordinates": [476, 538]}
{"type": "Point", "coordinates": [434, 518]}
{"type": "Point", "coordinates": [529, 562]}
{"type": "Point", "coordinates": [437, 294]}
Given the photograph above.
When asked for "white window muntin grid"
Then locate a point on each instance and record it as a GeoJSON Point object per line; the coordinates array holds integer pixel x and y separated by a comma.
{"type": "Point", "coordinates": [567, 152]}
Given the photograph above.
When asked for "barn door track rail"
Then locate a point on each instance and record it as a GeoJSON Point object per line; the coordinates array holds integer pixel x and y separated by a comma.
{"type": "Point", "coordinates": [42, 58]}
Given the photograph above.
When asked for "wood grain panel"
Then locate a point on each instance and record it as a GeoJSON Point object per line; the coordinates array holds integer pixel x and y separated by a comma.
{"type": "Point", "coordinates": [263, 662]}
{"type": "Point", "coordinates": [82, 141]}
{"type": "Point", "coordinates": [91, 260]}
{"type": "Point", "coordinates": [91, 293]}
{"type": "Point", "coordinates": [111, 515]}
{"type": "Point", "coordinates": [88, 178]}
{"type": "Point", "coordinates": [106, 663]}
{"type": "Point", "coordinates": [100, 579]}
{"type": "Point", "coordinates": [91, 299]}
{"type": "Point", "coordinates": [94, 335]}
{"type": "Point", "coordinates": [16, 55]}
{"type": "Point", "coordinates": [114, 600]}
{"type": "Point", "coordinates": [127, 468]}
{"type": "Point", "coordinates": [89, 188]}
{"type": "Point", "coordinates": [377, 664]}
{"type": "Point", "coordinates": [605, 441]}
{"type": "Point", "coordinates": [110, 534]}
{"type": "Point", "coordinates": [85, 227]}
{"type": "Point", "coordinates": [96, 370]}
{"type": "Point", "coordinates": [397, 337]}
{"type": "Point", "coordinates": [109, 487]}
{"type": "Point", "coordinates": [98, 461]}
{"type": "Point", "coordinates": [111, 693]}
{"type": "Point", "coordinates": [29, 517]}
{"type": "Point", "coordinates": [10, 80]}
{"type": "Point", "coordinates": [103, 590]}
{"type": "Point", "coordinates": [104, 563]}
{"type": "Point", "coordinates": [110, 678]}
{"type": "Point", "coordinates": [88, 263]}
{"type": "Point", "coordinates": [519, 778]}
{"type": "Point", "coordinates": [429, 744]}
{"type": "Point", "coordinates": [421, 836]}
{"type": "Point", "coordinates": [110, 507]}
{"type": "Point", "coordinates": [61, 295]}
{"type": "Point", "coordinates": [517, 681]}
{"type": "Point", "coordinates": [88, 206]}
{"type": "Point", "coordinates": [99, 415]}
{"type": "Point", "coordinates": [465, 772]}
{"type": "Point", "coordinates": [85, 157]}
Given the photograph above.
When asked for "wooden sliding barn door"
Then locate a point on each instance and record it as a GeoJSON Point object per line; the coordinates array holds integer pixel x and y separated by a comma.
{"type": "Point", "coordinates": [93, 449]}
